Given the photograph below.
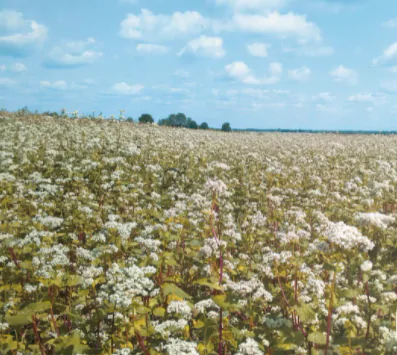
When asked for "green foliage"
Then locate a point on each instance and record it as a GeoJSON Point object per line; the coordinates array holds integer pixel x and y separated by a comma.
{"type": "Point", "coordinates": [204, 125]}
{"type": "Point", "coordinates": [226, 127]}
{"type": "Point", "coordinates": [145, 118]}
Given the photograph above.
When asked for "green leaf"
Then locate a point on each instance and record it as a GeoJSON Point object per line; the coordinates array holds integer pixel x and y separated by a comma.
{"type": "Point", "coordinates": [18, 320]}
{"type": "Point", "coordinates": [317, 338]}
{"type": "Point", "coordinates": [36, 307]}
{"type": "Point", "coordinates": [204, 282]}
{"type": "Point", "coordinates": [159, 312]}
{"type": "Point", "coordinates": [350, 293]}
{"type": "Point", "coordinates": [305, 313]}
{"type": "Point", "coordinates": [169, 288]}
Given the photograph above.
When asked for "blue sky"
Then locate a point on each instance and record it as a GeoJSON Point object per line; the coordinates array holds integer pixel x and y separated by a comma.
{"type": "Point", "coordinates": [319, 64]}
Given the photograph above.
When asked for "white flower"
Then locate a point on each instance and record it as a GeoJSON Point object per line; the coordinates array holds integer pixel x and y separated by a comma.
{"type": "Point", "coordinates": [249, 347]}
{"type": "Point", "coordinates": [180, 307]}
{"type": "Point", "coordinates": [366, 266]}
{"type": "Point", "coordinates": [181, 347]}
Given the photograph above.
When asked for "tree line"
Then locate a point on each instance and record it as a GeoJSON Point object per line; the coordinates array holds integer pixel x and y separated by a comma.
{"type": "Point", "coordinates": [179, 120]}
{"type": "Point", "coordinates": [173, 120]}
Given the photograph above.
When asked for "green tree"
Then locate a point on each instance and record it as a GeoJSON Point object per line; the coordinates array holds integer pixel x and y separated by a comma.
{"type": "Point", "coordinates": [204, 125]}
{"type": "Point", "coordinates": [146, 118]}
{"type": "Point", "coordinates": [191, 124]}
{"type": "Point", "coordinates": [130, 119]}
{"type": "Point", "coordinates": [226, 127]}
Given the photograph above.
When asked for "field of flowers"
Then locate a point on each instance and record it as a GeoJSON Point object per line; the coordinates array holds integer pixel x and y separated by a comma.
{"type": "Point", "coordinates": [120, 238]}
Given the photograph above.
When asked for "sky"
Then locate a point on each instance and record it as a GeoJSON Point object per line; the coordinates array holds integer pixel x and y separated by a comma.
{"type": "Point", "coordinates": [308, 64]}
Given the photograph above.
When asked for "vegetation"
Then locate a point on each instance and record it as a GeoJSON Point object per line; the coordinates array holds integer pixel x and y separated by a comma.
{"type": "Point", "coordinates": [145, 118]}
{"type": "Point", "coordinates": [123, 238]}
{"type": "Point", "coordinates": [226, 127]}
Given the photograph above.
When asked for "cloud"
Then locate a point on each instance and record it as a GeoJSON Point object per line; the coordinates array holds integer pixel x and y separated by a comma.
{"type": "Point", "coordinates": [18, 68]}
{"type": "Point", "coordinates": [7, 82]}
{"type": "Point", "coordinates": [299, 74]}
{"type": "Point", "coordinates": [126, 89]}
{"type": "Point", "coordinates": [72, 54]}
{"type": "Point", "coordinates": [239, 5]}
{"type": "Point", "coordinates": [344, 75]}
{"type": "Point", "coordinates": [149, 26]}
{"type": "Point", "coordinates": [275, 68]}
{"type": "Point", "coordinates": [204, 46]}
{"type": "Point", "coordinates": [57, 85]}
{"type": "Point", "coordinates": [182, 73]}
{"type": "Point", "coordinates": [258, 49]}
{"type": "Point", "coordinates": [147, 48]}
{"type": "Point", "coordinates": [239, 71]}
{"type": "Point", "coordinates": [389, 86]}
{"type": "Point", "coordinates": [389, 54]}
{"type": "Point", "coordinates": [274, 23]}
{"type": "Point", "coordinates": [19, 36]}
{"type": "Point", "coordinates": [323, 96]}
{"type": "Point", "coordinates": [15, 68]}
{"type": "Point", "coordinates": [89, 81]}
{"type": "Point", "coordinates": [324, 108]}
{"type": "Point", "coordinates": [390, 24]}
{"type": "Point", "coordinates": [316, 51]}
{"type": "Point", "coordinates": [376, 99]}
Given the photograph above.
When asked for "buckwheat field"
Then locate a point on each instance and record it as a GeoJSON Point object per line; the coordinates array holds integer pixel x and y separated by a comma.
{"type": "Point", "coordinates": [123, 238]}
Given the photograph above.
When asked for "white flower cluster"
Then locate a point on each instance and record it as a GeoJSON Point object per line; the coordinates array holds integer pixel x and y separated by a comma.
{"type": "Point", "coordinates": [123, 284]}
{"type": "Point", "coordinates": [347, 237]}
{"type": "Point", "coordinates": [375, 219]}
{"type": "Point", "coordinates": [181, 308]}
{"type": "Point", "coordinates": [180, 347]}
{"type": "Point", "coordinates": [249, 347]}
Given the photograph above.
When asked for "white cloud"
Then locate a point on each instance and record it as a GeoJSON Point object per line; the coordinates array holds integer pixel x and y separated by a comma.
{"type": "Point", "coordinates": [241, 72]}
{"type": "Point", "coordinates": [89, 81]}
{"type": "Point", "coordinates": [324, 108]}
{"type": "Point", "coordinates": [18, 67]}
{"type": "Point", "coordinates": [182, 73]}
{"type": "Point", "coordinates": [389, 86]}
{"type": "Point", "coordinates": [258, 49]}
{"type": "Point", "coordinates": [72, 54]}
{"type": "Point", "coordinates": [376, 99]}
{"type": "Point", "coordinates": [147, 48]}
{"type": "Point", "coordinates": [362, 97]}
{"type": "Point", "coordinates": [15, 68]}
{"type": "Point", "coordinates": [7, 82]}
{"type": "Point", "coordinates": [389, 54]}
{"type": "Point", "coordinates": [20, 36]}
{"type": "Point", "coordinates": [390, 23]}
{"type": "Point", "coordinates": [260, 5]}
{"type": "Point", "coordinates": [299, 74]}
{"type": "Point", "coordinates": [275, 68]}
{"type": "Point", "coordinates": [393, 69]}
{"type": "Point", "coordinates": [204, 46]}
{"type": "Point", "coordinates": [343, 74]}
{"type": "Point", "coordinates": [323, 96]}
{"type": "Point", "coordinates": [126, 89]}
{"type": "Point", "coordinates": [283, 25]}
{"type": "Point", "coordinates": [316, 51]}
{"type": "Point", "coordinates": [58, 85]}
{"type": "Point", "coordinates": [149, 26]}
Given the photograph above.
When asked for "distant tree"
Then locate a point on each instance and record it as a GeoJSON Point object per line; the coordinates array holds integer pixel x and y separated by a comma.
{"type": "Point", "coordinates": [204, 125]}
{"type": "Point", "coordinates": [226, 127]}
{"type": "Point", "coordinates": [191, 124]}
{"type": "Point", "coordinates": [146, 118]}
{"type": "Point", "coordinates": [130, 119]}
